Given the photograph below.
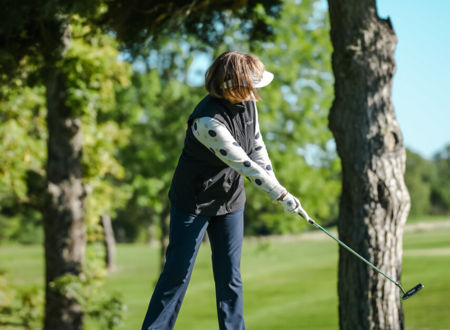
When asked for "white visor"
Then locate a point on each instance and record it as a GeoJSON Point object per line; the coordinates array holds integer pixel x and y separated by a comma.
{"type": "Point", "coordinates": [266, 79]}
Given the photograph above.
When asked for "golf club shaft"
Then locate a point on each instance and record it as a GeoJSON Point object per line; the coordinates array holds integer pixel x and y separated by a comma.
{"type": "Point", "coordinates": [315, 224]}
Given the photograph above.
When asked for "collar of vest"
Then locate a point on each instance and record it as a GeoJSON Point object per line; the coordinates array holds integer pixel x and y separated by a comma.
{"type": "Point", "coordinates": [237, 107]}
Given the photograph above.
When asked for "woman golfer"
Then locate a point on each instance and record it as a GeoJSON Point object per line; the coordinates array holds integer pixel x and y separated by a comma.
{"type": "Point", "coordinates": [223, 144]}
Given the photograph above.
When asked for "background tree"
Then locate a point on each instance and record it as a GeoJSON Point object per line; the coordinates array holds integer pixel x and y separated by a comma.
{"type": "Point", "coordinates": [64, 209]}
{"type": "Point", "coordinates": [89, 67]}
{"type": "Point", "coordinates": [374, 202]}
{"type": "Point", "coordinates": [420, 174]}
{"type": "Point", "coordinates": [37, 48]}
{"type": "Point", "coordinates": [440, 193]}
{"type": "Point", "coordinates": [428, 183]}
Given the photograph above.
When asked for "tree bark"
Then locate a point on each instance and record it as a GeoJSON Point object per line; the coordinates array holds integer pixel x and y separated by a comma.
{"type": "Point", "coordinates": [151, 229]}
{"type": "Point", "coordinates": [109, 242]}
{"type": "Point", "coordinates": [164, 238]}
{"type": "Point", "coordinates": [64, 208]}
{"type": "Point", "coordinates": [374, 202]}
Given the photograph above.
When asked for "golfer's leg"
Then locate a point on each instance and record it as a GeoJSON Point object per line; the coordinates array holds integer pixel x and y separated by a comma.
{"type": "Point", "coordinates": [185, 236]}
{"type": "Point", "coordinates": [226, 235]}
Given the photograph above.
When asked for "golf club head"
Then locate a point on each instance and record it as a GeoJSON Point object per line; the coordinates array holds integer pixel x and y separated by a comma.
{"type": "Point", "coordinates": [412, 291]}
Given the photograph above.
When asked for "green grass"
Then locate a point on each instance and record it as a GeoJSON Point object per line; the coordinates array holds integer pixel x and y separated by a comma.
{"type": "Point", "coordinates": [288, 284]}
{"type": "Point", "coordinates": [427, 218]}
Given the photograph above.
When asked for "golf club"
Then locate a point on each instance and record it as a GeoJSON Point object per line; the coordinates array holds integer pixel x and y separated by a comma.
{"type": "Point", "coordinates": [406, 294]}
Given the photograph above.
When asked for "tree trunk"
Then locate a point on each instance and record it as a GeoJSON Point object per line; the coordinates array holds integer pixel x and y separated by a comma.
{"type": "Point", "coordinates": [109, 242]}
{"type": "Point", "coordinates": [64, 208]}
{"type": "Point", "coordinates": [374, 202]}
{"type": "Point", "coordinates": [164, 239]}
{"type": "Point", "coordinates": [151, 228]}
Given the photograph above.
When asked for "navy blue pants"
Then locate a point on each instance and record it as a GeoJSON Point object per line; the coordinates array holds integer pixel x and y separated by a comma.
{"type": "Point", "coordinates": [186, 234]}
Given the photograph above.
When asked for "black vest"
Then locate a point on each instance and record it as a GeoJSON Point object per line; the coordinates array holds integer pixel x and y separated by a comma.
{"type": "Point", "coordinates": [202, 183]}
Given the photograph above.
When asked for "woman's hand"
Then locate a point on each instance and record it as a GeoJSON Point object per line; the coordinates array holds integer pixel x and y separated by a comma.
{"type": "Point", "coordinates": [290, 203]}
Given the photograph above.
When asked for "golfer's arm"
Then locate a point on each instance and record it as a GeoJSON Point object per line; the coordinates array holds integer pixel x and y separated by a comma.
{"type": "Point", "coordinates": [216, 137]}
{"type": "Point", "coordinates": [259, 153]}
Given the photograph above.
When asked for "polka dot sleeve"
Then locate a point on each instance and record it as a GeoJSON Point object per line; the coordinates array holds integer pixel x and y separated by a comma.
{"type": "Point", "coordinates": [259, 153]}
{"type": "Point", "coordinates": [216, 137]}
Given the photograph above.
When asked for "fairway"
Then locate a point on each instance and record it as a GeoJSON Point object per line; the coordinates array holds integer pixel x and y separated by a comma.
{"type": "Point", "coordinates": [289, 283]}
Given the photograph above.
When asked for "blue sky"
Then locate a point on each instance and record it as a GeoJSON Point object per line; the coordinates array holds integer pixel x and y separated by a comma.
{"type": "Point", "coordinates": [421, 92]}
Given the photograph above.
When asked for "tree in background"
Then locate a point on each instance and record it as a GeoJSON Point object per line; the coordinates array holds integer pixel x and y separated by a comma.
{"type": "Point", "coordinates": [428, 182]}
{"type": "Point", "coordinates": [38, 49]}
{"type": "Point", "coordinates": [89, 66]}
{"type": "Point", "coordinates": [420, 174]}
{"type": "Point", "coordinates": [374, 202]}
{"type": "Point", "coordinates": [440, 193]}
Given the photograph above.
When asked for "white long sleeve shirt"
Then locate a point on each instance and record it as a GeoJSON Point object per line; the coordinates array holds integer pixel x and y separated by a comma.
{"type": "Point", "coordinates": [257, 168]}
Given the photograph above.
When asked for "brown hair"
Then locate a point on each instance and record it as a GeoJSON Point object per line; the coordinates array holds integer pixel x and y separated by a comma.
{"type": "Point", "coordinates": [232, 75]}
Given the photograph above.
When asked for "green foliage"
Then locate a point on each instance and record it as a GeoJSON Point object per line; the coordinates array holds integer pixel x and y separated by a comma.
{"type": "Point", "coordinates": [93, 74]}
{"type": "Point", "coordinates": [419, 175]}
{"type": "Point", "coordinates": [428, 182]}
{"type": "Point", "coordinates": [22, 158]}
{"type": "Point", "coordinates": [92, 68]}
{"type": "Point", "coordinates": [295, 109]}
{"type": "Point", "coordinates": [440, 194]}
{"type": "Point", "coordinates": [138, 21]}
{"type": "Point", "coordinates": [33, 33]}
{"type": "Point", "coordinates": [107, 310]}
{"type": "Point", "coordinates": [20, 307]}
